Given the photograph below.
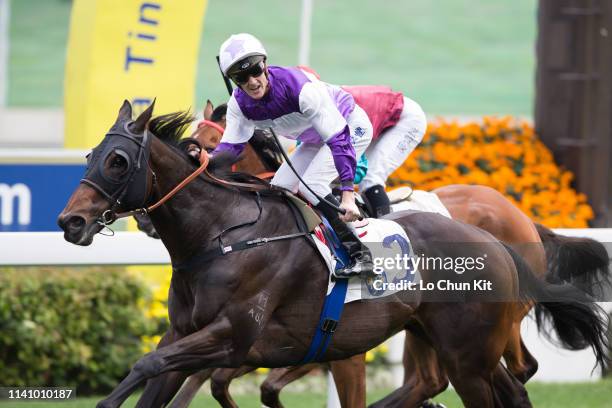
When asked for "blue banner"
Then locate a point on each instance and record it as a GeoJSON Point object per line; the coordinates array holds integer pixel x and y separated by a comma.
{"type": "Point", "coordinates": [33, 195]}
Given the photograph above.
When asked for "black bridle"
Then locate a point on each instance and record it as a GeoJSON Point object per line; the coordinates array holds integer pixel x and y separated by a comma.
{"type": "Point", "coordinates": [129, 190]}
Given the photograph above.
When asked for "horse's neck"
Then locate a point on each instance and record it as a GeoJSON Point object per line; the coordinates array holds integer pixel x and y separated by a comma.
{"type": "Point", "coordinates": [251, 163]}
{"type": "Point", "coordinates": [189, 219]}
{"type": "Point", "coordinates": [267, 151]}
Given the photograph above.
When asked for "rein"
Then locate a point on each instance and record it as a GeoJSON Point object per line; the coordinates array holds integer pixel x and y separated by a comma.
{"type": "Point", "coordinates": [204, 160]}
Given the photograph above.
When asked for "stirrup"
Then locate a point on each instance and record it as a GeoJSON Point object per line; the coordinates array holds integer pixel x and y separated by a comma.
{"type": "Point", "coordinates": [362, 266]}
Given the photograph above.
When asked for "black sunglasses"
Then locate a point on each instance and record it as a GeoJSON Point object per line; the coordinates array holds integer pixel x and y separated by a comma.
{"type": "Point", "coordinates": [242, 77]}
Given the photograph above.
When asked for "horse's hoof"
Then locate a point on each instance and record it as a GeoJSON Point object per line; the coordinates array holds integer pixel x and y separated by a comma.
{"type": "Point", "coordinates": [432, 404]}
{"type": "Point", "coordinates": [104, 404]}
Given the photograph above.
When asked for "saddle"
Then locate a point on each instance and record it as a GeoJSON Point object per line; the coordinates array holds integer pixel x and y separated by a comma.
{"type": "Point", "coordinates": [310, 217]}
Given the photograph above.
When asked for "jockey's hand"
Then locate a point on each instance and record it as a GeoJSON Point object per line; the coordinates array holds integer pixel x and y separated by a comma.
{"type": "Point", "coordinates": [348, 204]}
{"type": "Point", "coordinates": [194, 151]}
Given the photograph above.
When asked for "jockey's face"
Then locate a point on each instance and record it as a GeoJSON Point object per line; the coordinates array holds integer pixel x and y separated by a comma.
{"type": "Point", "coordinates": [256, 86]}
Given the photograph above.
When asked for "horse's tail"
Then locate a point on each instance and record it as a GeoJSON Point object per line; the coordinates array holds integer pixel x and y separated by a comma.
{"type": "Point", "coordinates": [577, 319]}
{"type": "Point", "coordinates": [582, 261]}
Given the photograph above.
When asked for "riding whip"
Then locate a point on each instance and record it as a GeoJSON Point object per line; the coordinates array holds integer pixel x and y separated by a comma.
{"type": "Point", "coordinates": [286, 157]}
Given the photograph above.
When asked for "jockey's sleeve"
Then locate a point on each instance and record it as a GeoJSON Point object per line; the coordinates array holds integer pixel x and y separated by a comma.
{"type": "Point", "coordinates": [320, 109]}
{"type": "Point", "coordinates": [238, 130]}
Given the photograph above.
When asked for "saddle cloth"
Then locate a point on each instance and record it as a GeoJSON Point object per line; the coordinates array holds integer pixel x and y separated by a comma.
{"type": "Point", "coordinates": [421, 201]}
{"type": "Point", "coordinates": [388, 242]}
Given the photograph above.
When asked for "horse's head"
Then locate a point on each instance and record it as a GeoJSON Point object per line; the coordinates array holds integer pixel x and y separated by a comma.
{"type": "Point", "coordinates": [261, 155]}
{"type": "Point", "coordinates": [207, 134]}
{"type": "Point", "coordinates": [118, 177]}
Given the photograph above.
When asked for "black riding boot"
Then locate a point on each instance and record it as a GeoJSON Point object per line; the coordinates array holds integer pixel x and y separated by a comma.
{"type": "Point", "coordinates": [361, 258]}
{"type": "Point", "coordinates": [379, 201]}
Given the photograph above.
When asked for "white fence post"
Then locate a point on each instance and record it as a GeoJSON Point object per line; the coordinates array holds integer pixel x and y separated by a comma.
{"type": "Point", "coordinates": [332, 393]}
{"type": "Point", "coordinates": [396, 358]}
{"type": "Point", "coordinates": [305, 23]}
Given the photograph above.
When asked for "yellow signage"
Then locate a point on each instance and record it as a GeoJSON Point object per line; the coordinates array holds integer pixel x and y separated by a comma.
{"type": "Point", "coordinates": [128, 49]}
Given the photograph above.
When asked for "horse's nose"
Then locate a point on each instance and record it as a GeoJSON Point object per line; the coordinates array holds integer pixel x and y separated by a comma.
{"type": "Point", "coordinates": [71, 224]}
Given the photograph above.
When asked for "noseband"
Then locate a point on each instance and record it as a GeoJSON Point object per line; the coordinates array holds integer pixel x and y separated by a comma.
{"type": "Point", "coordinates": [212, 124]}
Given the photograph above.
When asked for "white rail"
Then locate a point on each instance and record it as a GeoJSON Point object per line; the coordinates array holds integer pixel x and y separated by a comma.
{"type": "Point", "coordinates": [50, 248]}
{"type": "Point", "coordinates": [130, 248]}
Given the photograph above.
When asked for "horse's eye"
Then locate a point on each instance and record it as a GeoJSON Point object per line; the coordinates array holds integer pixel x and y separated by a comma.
{"type": "Point", "coordinates": [118, 161]}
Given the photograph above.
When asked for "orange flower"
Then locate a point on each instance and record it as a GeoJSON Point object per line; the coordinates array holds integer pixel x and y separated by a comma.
{"type": "Point", "coordinates": [502, 153]}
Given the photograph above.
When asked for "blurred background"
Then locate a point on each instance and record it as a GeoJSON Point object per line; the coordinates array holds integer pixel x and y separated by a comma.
{"type": "Point", "coordinates": [529, 80]}
{"type": "Point", "coordinates": [453, 56]}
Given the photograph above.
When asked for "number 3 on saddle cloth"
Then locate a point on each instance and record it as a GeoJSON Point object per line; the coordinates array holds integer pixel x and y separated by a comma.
{"type": "Point", "coordinates": [392, 255]}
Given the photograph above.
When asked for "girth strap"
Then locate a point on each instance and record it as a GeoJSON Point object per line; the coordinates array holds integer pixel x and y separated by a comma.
{"type": "Point", "coordinates": [222, 250]}
{"type": "Point", "coordinates": [333, 304]}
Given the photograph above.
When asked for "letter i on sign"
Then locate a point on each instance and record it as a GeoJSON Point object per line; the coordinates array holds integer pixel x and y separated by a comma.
{"type": "Point", "coordinates": [147, 20]}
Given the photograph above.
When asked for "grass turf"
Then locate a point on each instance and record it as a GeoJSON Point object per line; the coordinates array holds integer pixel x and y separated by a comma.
{"type": "Point", "coordinates": [574, 395]}
{"type": "Point", "coordinates": [452, 56]}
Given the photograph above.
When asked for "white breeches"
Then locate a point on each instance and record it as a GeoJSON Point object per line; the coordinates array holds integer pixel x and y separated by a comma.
{"type": "Point", "coordinates": [394, 145]}
{"type": "Point", "coordinates": [315, 164]}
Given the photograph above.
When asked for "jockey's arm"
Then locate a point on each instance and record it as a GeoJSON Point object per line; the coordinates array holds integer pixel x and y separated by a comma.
{"type": "Point", "coordinates": [238, 130]}
{"type": "Point", "coordinates": [326, 119]}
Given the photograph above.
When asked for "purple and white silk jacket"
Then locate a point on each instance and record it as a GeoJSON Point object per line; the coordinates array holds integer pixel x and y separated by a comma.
{"type": "Point", "coordinates": [299, 107]}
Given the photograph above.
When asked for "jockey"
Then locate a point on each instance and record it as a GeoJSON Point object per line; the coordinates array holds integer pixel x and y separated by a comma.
{"type": "Point", "coordinates": [399, 125]}
{"type": "Point", "coordinates": [332, 129]}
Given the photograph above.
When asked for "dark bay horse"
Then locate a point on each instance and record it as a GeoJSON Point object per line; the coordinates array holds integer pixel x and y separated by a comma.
{"type": "Point", "coordinates": [260, 306]}
{"type": "Point", "coordinates": [569, 258]}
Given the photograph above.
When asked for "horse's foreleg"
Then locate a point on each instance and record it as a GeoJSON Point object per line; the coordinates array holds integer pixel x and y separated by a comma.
{"type": "Point", "coordinates": [278, 379]}
{"type": "Point", "coordinates": [160, 390]}
{"type": "Point", "coordinates": [220, 381]}
{"type": "Point", "coordinates": [190, 389]}
{"type": "Point", "coordinates": [349, 376]}
{"type": "Point", "coordinates": [209, 347]}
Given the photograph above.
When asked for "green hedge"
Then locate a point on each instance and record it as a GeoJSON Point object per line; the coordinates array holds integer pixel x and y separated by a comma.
{"type": "Point", "coordinates": [74, 326]}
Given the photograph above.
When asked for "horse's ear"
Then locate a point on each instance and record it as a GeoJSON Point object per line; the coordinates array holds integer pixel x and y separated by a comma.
{"type": "Point", "coordinates": [125, 112]}
{"type": "Point", "coordinates": [140, 123]}
{"type": "Point", "coordinates": [208, 110]}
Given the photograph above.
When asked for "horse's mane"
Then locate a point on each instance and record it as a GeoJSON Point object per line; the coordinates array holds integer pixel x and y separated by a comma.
{"type": "Point", "coordinates": [170, 128]}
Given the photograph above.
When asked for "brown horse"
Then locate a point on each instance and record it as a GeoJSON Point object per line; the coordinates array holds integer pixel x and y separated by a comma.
{"type": "Point", "coordinates": [476, 205]}
{"type": "Point", "coordinates": [253, 307]}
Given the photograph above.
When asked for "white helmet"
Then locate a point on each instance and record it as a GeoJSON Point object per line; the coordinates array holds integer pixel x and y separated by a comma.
{"type": "Point", "coordinates": [237, 48]}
